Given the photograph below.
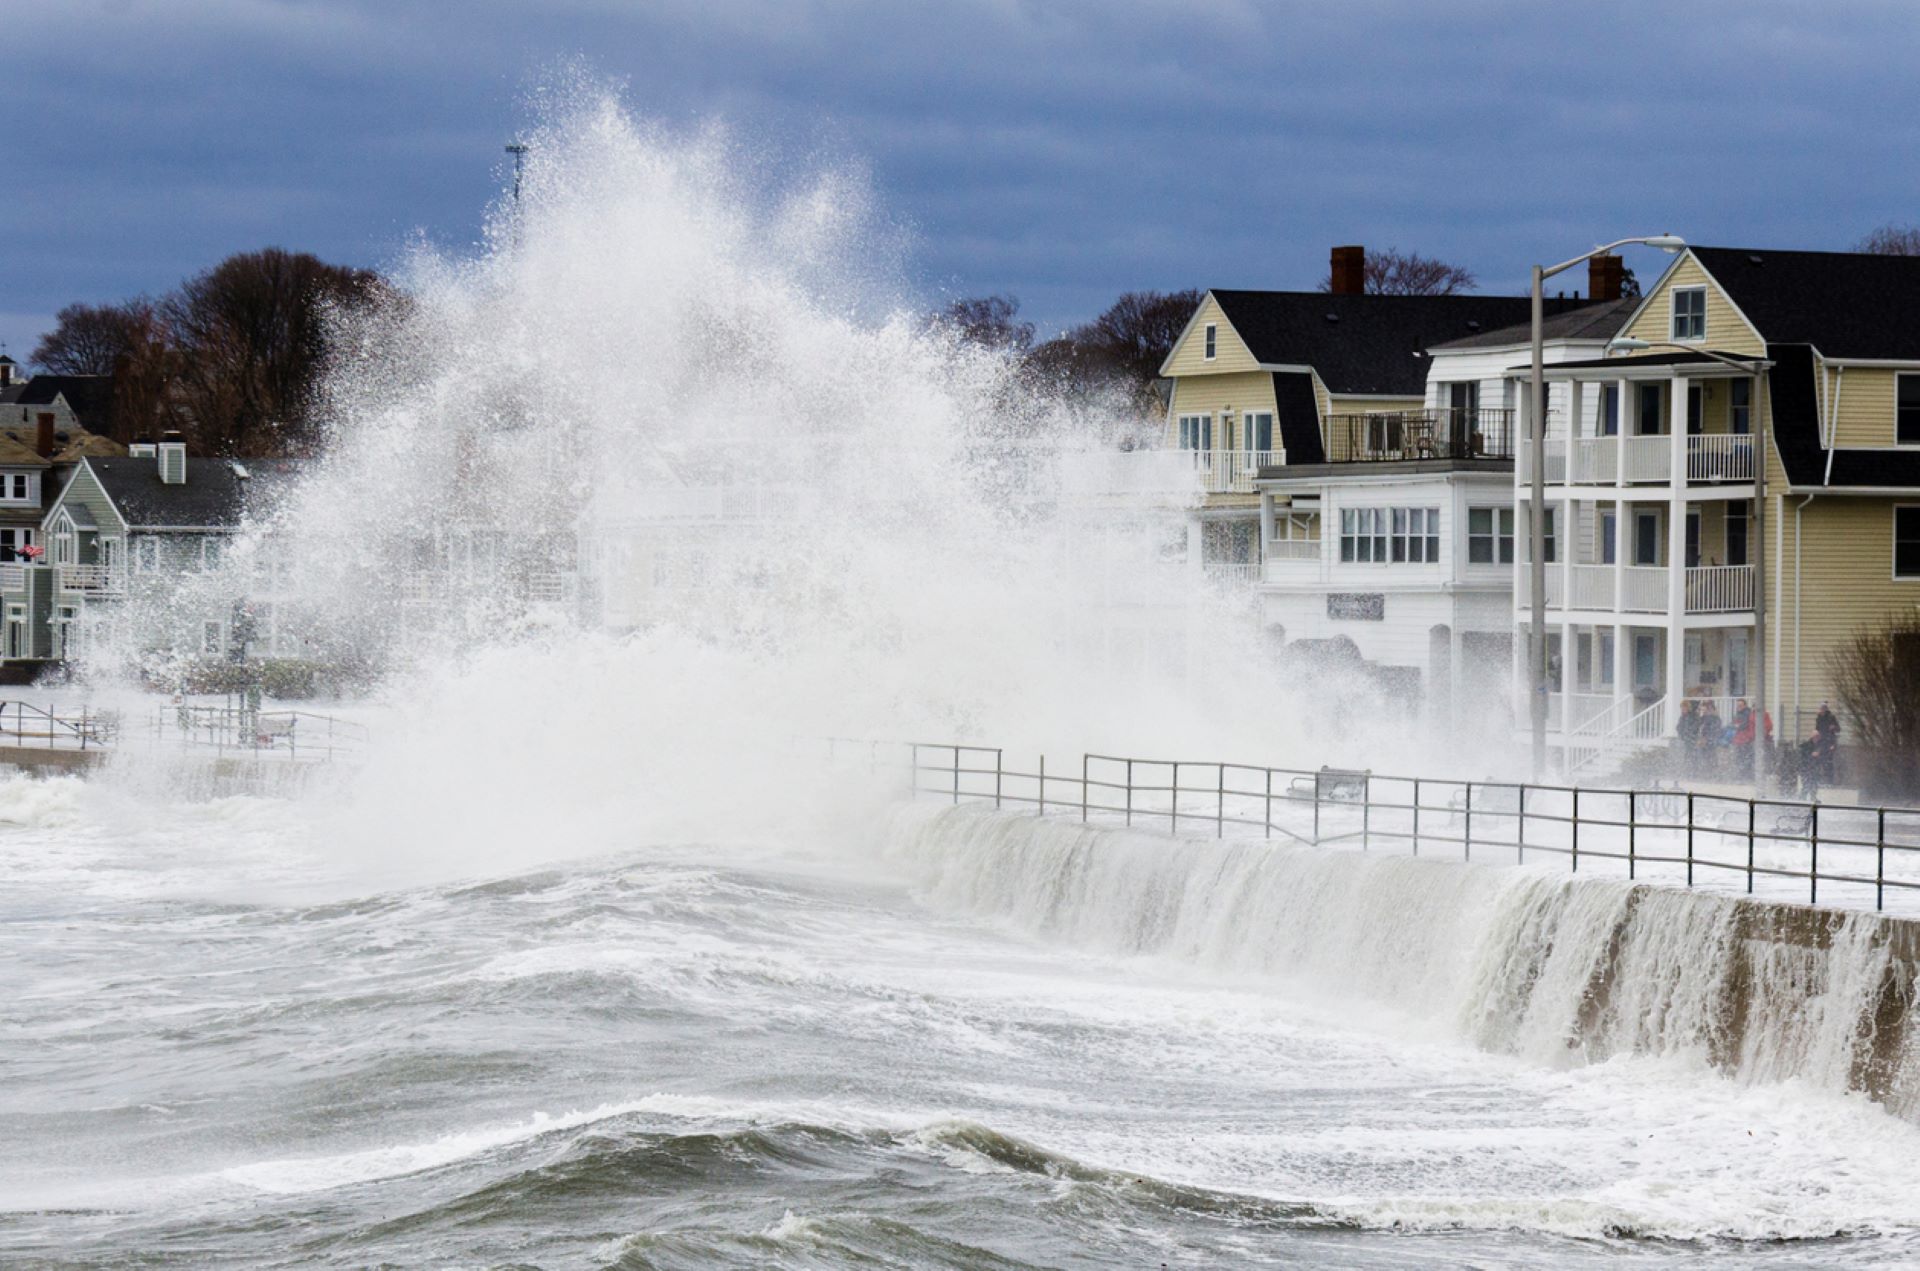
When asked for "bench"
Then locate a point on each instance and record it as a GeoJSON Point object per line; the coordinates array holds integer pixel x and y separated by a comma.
{"type": "Point", "coordinates": [1338, 785]}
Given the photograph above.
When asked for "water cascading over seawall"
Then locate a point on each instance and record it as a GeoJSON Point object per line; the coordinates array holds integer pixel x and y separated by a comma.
{"type": "Point", "coordinates": [1547, 967]}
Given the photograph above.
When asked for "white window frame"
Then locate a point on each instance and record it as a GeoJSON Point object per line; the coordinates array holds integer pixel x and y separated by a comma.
{"type": "Point", "coordinates": [1210, 342]}
{"type": "Point", "coordinates": [1673, 314]}
{"type": "Point", "coordinates": [1499, 540]}
{"type": "Point", "coordinates": [1247, 445]}
{"type": "Point", "coordinates": [1894, 564]}
{"type": "Point", "coordinates": [144, 554]}
{"type": "Point", "coordinates": [1195, 432]}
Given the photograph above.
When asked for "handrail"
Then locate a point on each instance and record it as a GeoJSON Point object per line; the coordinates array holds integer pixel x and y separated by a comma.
{"type": "Point", "coordinates": [1681, 832]}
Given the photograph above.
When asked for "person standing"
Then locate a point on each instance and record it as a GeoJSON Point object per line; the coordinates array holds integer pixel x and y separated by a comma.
{"type": "Point", "coordinates": [1743, 730]}
{"type": "Point", "coordinates": [1686, 733]}
{"type": "Point", "coordinates": [1712, 734]}
{"type": "Point", "coordinates": [1826, 742]}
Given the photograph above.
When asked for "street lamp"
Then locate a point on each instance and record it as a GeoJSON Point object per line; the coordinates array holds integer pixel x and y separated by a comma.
{"type": "Point", "coordinates": [1756, 367]}
{"type": "Point", "coordinates": [1537, 417]}
{"type": "Point", "coordinates": [518, 149]}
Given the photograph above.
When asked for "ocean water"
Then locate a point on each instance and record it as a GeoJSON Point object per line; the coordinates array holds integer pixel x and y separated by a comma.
{"type": "Point", "coordinates": [944, 1040]}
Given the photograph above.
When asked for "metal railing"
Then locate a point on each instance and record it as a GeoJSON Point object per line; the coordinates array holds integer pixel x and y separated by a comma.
{"type": "Point", "coordinates": [295, 735]}
{"type": "Point", "coordinates": [23, 724]}
{"type": "Point", "coordinates": [1660, 834]}
{"type": "Point", "coordinates": [1393, 436]}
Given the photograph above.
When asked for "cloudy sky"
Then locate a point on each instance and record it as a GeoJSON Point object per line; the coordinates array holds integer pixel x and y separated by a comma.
{"type": "Point", "coordinates": [1063, 152]}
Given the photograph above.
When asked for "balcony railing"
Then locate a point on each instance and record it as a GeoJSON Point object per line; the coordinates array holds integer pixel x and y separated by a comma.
{"type": "Point", "coordinates": [1233, 572]}
{"type": "Point", "coordinates": [1720, 457]}
{"type": "Point", "coordinates": [1233, 471]}
{"type": "Point", "coordinates": [91, 579]}
{"type": "Point", "coordinates": [1294, 549]}
{"type": "Point", "coordinates": [13, 577]}
{"type": "Point", "coordinates": [1643, 589]}
{"type": "Point", "coordinates": [1396, 436]}
{"type": "Point", "coordinates": [1720, 589]}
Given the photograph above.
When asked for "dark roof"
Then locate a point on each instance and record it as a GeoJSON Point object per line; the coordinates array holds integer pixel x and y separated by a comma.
{"type": "Point", "coordinates": [1796, 432]}
{"type": "Point", "coordinates": [1845, 304]}
{"type": "Point", "coordinates": [90, 397]}
{"type": "Point", "coordinates": [1299, 417]}
{"type": "Point", "coordinates": [1365, 343]}
{"type": "Point", "coordinates": [1600, 321]}
{"type": "Point", "coordinates": [214, 494]}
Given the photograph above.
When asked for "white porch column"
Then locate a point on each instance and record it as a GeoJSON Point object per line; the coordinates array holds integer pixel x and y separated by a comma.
{"type": "Point", "coordinates": [1622, 661]}
{"type": "Point", "coordinates": [1620, 540]}
{"type": "Point", "coordinates": [1623, 406]}
{"type": "Point", "coordinates": [1266, 521]}
{"type": "Point", "coordinates": [1676, 547]}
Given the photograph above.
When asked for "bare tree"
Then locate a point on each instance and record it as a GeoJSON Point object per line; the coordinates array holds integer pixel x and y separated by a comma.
{"type": "Point", "coordinates": [88, 339]}
{"type": "Point", "coordinates": [987, 320]}
{"type": "Point", "coordinates": [250, 335]}
{"type": "Point", "coordinates": [1121, 349]}
{"type": "Point", "coordinates": [1877, 679]}
{"type": "Point", "coordinates": [1891, 240]}
{"type": "Point", "coordinates": [1396, 273]}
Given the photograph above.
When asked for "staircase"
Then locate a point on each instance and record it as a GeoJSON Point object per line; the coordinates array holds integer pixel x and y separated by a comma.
{"type": "Point", "coordinates": [1613, 736]}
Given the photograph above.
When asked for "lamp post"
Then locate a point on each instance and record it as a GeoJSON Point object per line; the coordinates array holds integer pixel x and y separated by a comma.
{"type": "Point", "coordinates": [1756, 367]}
{"type": "Point", "coordinates": [518, 149]}
{"type": "Point", "coordinates": [1537, 454]}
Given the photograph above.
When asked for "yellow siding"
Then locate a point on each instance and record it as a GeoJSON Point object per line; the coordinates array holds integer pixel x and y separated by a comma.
{"type": "Point", "coordinates": [1212, 394]}
{"type": "Point", "coordinates": [1845, 579]}
{"type": "Point", "coordinates": [1864, 415]}
{"type": "Point", "coordinates": [1727, 331]}
{"type": "Point", "coordinates": [1230, 352]}
{"type": "Point", "coordinates": [1368, 405]}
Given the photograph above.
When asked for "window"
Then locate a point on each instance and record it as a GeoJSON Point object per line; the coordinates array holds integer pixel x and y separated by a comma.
{"type": "Point", "coordinates": [1606, 659]}
{"type": "Point", "coordinates": [1689, 313]}
{"type": "Point", "coordinates": [1740, 408]}
{"type": "Point", "coordinates": [210, 637]}
{"type": "Point", "coordinates": [1383, 433]}
{"type": "Point", "coordinates": [210, 549]}
{"type": "Point", "coordinates": [1196, 432]}
{"type": "Point", "coordinates": [1610, 411]}
{"type": "Point", "coordinates": [1696, 420]}
{"type": "Point", "coordinates": [12, 540]}
{"type": "Point", "coordinates": [1649, 421]}
{"type": "Point", "coordinates": [1906, 430]}
{"type": "Point", "coordinates": [1490, 536]}
{"type": "Point", "coordinates": [1736, 533]}
{"type": "Point", "coordinates": [1693, 540]}
{"type": "Point", "coordinates": [1646, 538]}
{"type": "Point", "coordinates": [1363, 534]}
{"type": "Point", "coordinates": [1609, 521]}
{"type": "Point", "coordinates": [1416, 534]}
{"type": "Point", "coordinates": [1257, 431]}
{"type": "Point", "coordinates": [17, 488]}
{"type": "Point", "coordinates": [1213, 333]}
{"type": "Point", "coordinates": [1906, 542]}
{"type": "Point", "coordinates": [146, 555]}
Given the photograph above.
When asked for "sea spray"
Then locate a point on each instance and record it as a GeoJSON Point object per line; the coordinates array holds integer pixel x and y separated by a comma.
{"type": "Point", "coordinates": [1551, 968]}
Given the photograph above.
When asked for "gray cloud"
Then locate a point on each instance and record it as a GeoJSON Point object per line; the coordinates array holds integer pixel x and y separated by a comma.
{"type": "Point", "coordinates": [1062, 151]}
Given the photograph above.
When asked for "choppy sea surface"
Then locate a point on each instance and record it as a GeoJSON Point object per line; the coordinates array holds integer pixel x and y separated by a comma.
{"type": "Point", "coordinates": [219, 1050]}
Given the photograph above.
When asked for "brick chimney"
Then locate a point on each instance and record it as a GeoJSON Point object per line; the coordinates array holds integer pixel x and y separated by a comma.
{"type": "Point", "coordinates": [1606, 277]}
{"type": "Point", "coordinates": [1349, 271]}
{"type": "Point", "coordinates": [43, 434]}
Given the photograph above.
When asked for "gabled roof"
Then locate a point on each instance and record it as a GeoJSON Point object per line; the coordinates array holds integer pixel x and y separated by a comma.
{"type": "Point", "coordinates": [214, 495]}
{"type": "Point", "coordinates": [1845, 304]}
{"type": "Point", "coordinates": [90, 397]}
{"type": "Point", "coordinates": [1364, 344]}
{"type": "Point", "coordinates": [1601, 321]}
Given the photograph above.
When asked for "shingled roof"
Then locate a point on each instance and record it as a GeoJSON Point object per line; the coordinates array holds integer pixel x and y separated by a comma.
{"type": "Point", "coordinates": [214, 495]}
{"type": "Point", "coordinates": [90, 397]}
{"type": "Point", "coordinates": [1600, 321]}
{"type": "Point", "coordinates": [1365, 344]}
{"type": "Point", "coordinates": [1844, 304]}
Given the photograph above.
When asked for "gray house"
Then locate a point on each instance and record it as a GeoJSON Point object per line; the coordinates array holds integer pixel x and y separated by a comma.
{"type": "Point", "coordinates": [123, 542]}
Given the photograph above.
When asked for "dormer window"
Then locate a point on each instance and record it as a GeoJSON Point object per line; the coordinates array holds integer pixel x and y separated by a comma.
{"type": "Point", "coordinates": [16, 487]}
{"type": "Point", "coordinates": [1213, 335]}
{"type": "Point", "coordinates": [1689, 313]}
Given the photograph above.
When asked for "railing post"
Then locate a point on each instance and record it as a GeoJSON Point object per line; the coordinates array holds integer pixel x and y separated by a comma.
{"type": "Point", "coordinates": [1880, 863]}
{"type": "Point", "coordinates": [1520, 839]}
{"type": "Point", "coordinates": [1751, 805]}
{"type": "Point", "coordinates": [1220, 806]}
{"type": "Point", "coordinates": [1083, 787]}
{"type": "Point", "coordinates": [956, 776]}
{"type": "Point", "coordinates": [1043, 786]}
{"type": "Point", "coordinates": [1266, 812]}
{"type": "Point", "coordinates": [1416, 816]}
{"type": "Point", "coordinates": [1316, 807]}
{"type": "Point", "coordinates": [998, 764]}
{"type": "Point", "coordinates": [1575, 826]}
{"type": "Point", "coordinates": [1129, 792]}
{"type": "Point", "coordinates": [1366, 815]}
{"type": "Point", "coordinates": [1633, 831]}
{"type": "Point", "coordinates": [1689, 838]}
{"type": "Point", "coordinates": [1173, 802]}
{"type": "Point", "coordinates": [1466, 836]}
{"type": "Point", "coordinates": [1813, 865]}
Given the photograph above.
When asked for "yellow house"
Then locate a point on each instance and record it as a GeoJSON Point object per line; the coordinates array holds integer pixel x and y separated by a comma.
{"type": "Point", "coordinates": [1699, 569]}
{"type": "Point", "coordinates": [1264, 379]}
